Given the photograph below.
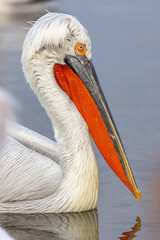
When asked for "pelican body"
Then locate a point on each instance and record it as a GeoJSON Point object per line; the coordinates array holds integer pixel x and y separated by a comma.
{"type": "Point", "coordinates": [37, 174]}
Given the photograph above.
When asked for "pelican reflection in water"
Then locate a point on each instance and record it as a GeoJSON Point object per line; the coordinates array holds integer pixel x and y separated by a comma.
{"type": "Point", "coordinates": [38, 175]}
{"type": "Point", "coordinates": [67, 226]}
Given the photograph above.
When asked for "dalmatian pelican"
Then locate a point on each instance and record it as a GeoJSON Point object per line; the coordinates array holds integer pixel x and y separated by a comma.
{"type": "Point", "coordinates": [37, 174]}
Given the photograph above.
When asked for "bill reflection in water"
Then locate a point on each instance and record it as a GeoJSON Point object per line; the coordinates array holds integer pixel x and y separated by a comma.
{"type": "Point", "coordinates": [131, 234]}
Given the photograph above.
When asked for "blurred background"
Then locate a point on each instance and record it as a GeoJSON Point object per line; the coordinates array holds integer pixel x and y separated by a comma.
{"type": "Point", "coordinates": [125, 39]}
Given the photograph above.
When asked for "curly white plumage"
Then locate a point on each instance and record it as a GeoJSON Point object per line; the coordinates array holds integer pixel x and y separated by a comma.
{"type": "Point", "coordinates": [31, 182]}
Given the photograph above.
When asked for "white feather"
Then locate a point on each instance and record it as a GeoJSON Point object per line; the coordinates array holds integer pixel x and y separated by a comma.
{"type": "Point", "coordinates": [48, 41]}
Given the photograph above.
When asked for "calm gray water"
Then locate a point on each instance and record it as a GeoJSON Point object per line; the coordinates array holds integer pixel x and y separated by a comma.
{"type": "Point", "coordinates": [126, 54]}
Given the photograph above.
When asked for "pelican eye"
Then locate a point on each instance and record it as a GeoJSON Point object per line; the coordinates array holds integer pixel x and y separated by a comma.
{"type": "Point", "coordinates": [80, 49]}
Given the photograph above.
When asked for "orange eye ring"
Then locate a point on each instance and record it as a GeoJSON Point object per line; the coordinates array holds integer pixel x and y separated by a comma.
{"type": "Point", "coordinates": [80, 49]}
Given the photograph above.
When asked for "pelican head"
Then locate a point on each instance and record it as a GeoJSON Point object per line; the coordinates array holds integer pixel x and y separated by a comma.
{"type": "Point", "coordinates": [56, 61]}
